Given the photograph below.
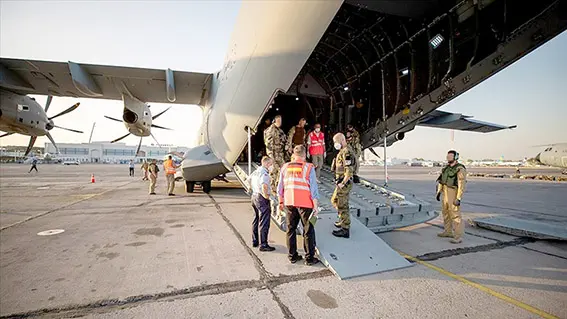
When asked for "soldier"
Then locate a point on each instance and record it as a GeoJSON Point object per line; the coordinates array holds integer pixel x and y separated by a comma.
{"type": "Point", "coordinates": [343, 167]}
{"type": "Point", "coordinates": [353, 140]}
{"type": "Point", "coordinates": [153, 171]}
{"type": "Point", "coordinates": [169, 167]}
{"type": "Point", "coordinates": [451, 183]}
{"type": "Point", "coordinates": [276, 145]}
{"type": "Point", "coordinates": [297, 135]}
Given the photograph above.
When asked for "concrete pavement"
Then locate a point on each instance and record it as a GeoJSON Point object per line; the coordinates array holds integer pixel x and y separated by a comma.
{"type": "Point", "coordinates": [125, 254]}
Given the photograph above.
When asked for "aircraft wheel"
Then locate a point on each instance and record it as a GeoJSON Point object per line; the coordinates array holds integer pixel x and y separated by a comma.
{"type": "Point", "coordinates": [206, 187]}
{"type": "Point", "coordinates": [189, 186]}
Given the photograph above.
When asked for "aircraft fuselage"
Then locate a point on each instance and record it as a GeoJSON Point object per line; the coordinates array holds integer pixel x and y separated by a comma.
{"type": "Point", "coordinates": [21, 114]}
{"type": "Point", "coordinates": [555, 156]}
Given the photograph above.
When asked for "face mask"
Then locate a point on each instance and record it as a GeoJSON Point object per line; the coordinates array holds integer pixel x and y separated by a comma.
{"type": "Point", "coordinates": [338, 146]}
{"type": "Point", "coordinates": [317, 130]}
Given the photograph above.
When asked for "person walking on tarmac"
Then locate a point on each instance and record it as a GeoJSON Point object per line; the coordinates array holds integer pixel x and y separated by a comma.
{"type": "Point", "coordinates": [451, 183]}
{"type": "Point", "coordinates": [153, 172]}
{"type": "Point", "coordinates": [169, 167]}
{"type": "Point", "coordinates": [131, 166]}
{"type": "Point", "coordinates": [144, 168]}
{"type": "Point", "coordinates": [343, 166]}
{"type": "Point", "coordinates": [260, 185]}
{"type": "Point", "coordinates": [299, 192]}
{"type": "Point", "coordinates": [316, 149]}
{"type": "Point", "coordinates": [33, 165]}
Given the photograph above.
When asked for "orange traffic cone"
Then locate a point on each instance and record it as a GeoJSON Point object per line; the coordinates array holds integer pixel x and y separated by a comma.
{"type": "Point", "coordinates": [92, 178]}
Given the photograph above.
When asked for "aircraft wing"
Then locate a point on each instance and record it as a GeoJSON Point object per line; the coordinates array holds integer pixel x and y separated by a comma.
{"type": "Point", "coordinates": [103, 81]}
{"type": "Point", "coordinates": [453, 121]}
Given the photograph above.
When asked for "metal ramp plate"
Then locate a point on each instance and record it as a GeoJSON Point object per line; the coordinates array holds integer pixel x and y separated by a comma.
{"type": "Point", "coordinates": [524, 228]}
{"type": "Point", "coordinates": [362, 254]}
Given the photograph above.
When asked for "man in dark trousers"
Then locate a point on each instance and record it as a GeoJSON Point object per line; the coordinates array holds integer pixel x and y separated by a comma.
{"type": "Point", "coordinates": [33, 165]}
{"type": "Point", "coordinates": [260, 185]}
{"type": "Point", "coordinates": [298, 191]}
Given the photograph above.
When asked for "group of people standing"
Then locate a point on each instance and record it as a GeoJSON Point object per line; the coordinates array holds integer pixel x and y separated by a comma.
{"type": "Point", "coordinates": [286, 174]}
{"type": "Point", "coordinates": [151, 171]}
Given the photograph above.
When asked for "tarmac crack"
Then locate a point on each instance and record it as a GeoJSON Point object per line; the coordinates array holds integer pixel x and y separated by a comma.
{"type": "Point", "coordinates": [108, 305]}
{"type": "Point", "coordinates": [467, 250]}
{"type": "Point", "coordinates": [265, 276]}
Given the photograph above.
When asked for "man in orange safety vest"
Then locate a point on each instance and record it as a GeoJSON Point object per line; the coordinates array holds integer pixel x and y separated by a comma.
{"type": "Point", "coordinates": [298, 191]}
{"type": "Point", "coordinates": [316, 149]}
{"type": "Point", "coordinates": [169, 167]}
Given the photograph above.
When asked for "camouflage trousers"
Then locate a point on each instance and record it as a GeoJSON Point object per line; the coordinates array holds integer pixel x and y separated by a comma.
{"type": "Point", "coordinates": [278, 159]}
{"type": "Point", "coordinates": [356, 163]}
{"type": "Point", "coordinates": [340, 202]}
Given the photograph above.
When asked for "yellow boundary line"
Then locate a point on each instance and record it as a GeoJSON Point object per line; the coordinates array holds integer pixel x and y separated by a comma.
{"type": "Point", "coordinates": [496, 294]}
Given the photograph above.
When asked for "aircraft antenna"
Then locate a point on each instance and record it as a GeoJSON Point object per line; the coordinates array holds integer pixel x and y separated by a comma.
{"type": "Point", "coordinates": [92, 130]}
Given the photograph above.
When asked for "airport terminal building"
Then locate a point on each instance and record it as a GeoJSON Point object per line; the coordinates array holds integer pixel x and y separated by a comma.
{"type": "Point", "coordinates": [105, 152]}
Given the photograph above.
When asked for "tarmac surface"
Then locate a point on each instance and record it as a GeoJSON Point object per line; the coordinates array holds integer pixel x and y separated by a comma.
{"type": "Point", "coordinates": [126, 254]}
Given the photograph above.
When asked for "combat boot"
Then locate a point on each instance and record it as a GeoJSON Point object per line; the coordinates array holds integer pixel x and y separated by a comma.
{"type": "Point", "coordinates": [456, 241]}
{"type": "Point", "coordinates": [445, 234]}
{"type": "Point", "coordinates": [341, 233]}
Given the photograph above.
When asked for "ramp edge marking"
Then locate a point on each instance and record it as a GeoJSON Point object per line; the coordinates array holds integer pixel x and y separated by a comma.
{"type": "Point", "coordinates": [480, 287]}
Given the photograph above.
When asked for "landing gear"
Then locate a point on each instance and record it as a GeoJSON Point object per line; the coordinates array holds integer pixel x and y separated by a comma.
{"type": "Point", "coordinates": [189, 186]}
{"type": "Point", "coordinates": [206, 187]}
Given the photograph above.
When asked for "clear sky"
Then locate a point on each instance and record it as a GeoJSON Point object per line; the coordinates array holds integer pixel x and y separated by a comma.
{"type": "Point", "coordinates": [194, 35]}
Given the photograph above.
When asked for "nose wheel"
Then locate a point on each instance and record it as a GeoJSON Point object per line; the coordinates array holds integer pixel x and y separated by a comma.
{"type": "Point", "coordinates": [190, 186]}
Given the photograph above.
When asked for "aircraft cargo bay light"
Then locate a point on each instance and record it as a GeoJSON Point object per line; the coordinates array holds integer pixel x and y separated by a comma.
{"type": "Point", "coordinates": [395, 62]}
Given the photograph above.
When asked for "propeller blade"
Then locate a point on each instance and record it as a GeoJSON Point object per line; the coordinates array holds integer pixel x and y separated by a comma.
{"type": "Point", "coordinates": [155, 139]}
{"type": "Point", "coordinates": [161, 127]}
{"type": "Point", "coordinates": [71, 109]}
{"type": "Point", "coordinates": [52, 142]}
{"type": "Point", "coordinates": [6, 134]}
{"type": "Point", "coordinates": [138, 149]}
{"type": "Point", "coordinates": [48, 103]}
{"type": "Point", "coordinates": [160, 113]}
{"type": "Point", "coordinates": [374, 152]}
{"type": "Point", "coordinates": [67, 129]}
{"type": "Point", "coordinates": [118, 139]}
{"type": "Point", "coordinates": [111, 118]}
{"type": "Point", "coordinates": [30, 145]}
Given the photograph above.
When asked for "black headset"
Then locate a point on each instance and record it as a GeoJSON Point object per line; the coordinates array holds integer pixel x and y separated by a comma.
{"type": "Point", "coordinates": [456, 157]}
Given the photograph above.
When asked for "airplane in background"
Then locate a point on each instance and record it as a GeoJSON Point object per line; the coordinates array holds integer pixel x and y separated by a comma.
{"type": "Point", "coordinates": [21, 114]}
{"type": "Point", "coordinates": [137, 119]}
{"type": "Point", "coordinates": [384, 66]}
{"type": "Point", "coordinates": [555, 155]}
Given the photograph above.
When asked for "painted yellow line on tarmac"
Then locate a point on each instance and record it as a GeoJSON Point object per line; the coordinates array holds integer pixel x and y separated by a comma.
{"type": "Point", "coordinates": [494, 293]}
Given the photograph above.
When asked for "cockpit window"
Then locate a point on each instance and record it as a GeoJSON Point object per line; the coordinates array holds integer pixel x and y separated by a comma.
{"type": "Point", "coordinates": [548, 149]}
{"type": "Point", "coordinates": [23, 108]}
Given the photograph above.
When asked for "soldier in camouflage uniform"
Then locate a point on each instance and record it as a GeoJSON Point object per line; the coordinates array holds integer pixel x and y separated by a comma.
{"type": "Point", "coordinates": [276, 146]}
{"type": "Point", "coordinates": [451, 185]}
{"type": "Point", "coordinates": [353, 140]}
{"type": "Point", "coordinates": [343, 166]}
{"type": "Point", "coordinates": [297, 135]}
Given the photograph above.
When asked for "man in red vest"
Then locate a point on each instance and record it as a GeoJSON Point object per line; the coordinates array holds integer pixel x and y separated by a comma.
{"type": "Point", "coordinates": [298, 191]}
{"type": "Point", "coordinates": [316, 150]}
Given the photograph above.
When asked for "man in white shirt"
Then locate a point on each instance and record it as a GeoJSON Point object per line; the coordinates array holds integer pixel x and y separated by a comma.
{"type": "Point", "coordinates": [260, 185]}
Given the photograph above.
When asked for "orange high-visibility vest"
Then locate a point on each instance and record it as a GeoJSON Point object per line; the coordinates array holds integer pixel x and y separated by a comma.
{"type": "Point", "coordinates": [317, 146]}
{"type": "Point", "coordinates": [296, 184]}
{"type": "Point", "coordinates": [169, 169]}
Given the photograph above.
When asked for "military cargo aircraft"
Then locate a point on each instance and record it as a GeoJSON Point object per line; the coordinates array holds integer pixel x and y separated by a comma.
{"type": "Point", "coordinates": [20, 114]}
{"type": "Point", "coordinates": [555, 155]}
{"type": "Point", "coordinates": [384, 66]}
